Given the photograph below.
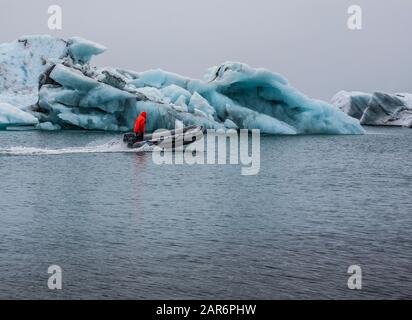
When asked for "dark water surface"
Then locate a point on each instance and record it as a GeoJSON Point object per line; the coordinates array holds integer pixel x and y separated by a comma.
{"type": "Point", "coordinates": [121, 226]}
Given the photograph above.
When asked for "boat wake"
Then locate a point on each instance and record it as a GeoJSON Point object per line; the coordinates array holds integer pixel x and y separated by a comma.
{"type": "Point", "coordinates": [109, 147]}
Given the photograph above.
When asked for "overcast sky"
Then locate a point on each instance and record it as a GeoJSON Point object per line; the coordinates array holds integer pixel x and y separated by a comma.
{"type": "Point", "coordinates": [305, 40]}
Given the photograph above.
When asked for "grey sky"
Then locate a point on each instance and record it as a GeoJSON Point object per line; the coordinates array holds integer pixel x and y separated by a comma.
{"type": "Point", "coordinates": [305, 40]}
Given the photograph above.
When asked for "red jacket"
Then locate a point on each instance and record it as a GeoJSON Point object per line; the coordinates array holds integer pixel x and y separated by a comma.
{"type": "Point", "coordinates": [140, 124]}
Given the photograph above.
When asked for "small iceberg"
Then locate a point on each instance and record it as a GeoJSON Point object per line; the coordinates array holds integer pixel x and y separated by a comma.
{"type": "Point", "coordinates": [11, 116]}
{"type": "Point", "coordinates": [376, 109]}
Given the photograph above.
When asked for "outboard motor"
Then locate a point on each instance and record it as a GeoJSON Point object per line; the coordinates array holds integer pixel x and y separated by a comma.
{"type": "Point", "coordinates": [129, 137]}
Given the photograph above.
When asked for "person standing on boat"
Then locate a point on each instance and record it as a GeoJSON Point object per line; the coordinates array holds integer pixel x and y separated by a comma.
{"type": "Point", "coordinates": [139, 126]}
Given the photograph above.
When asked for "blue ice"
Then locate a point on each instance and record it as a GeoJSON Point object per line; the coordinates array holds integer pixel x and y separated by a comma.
{"type": "Point", "coordinates": [74, 94]}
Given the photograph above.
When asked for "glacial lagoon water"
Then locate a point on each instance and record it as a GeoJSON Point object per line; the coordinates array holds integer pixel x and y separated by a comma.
{"type": "Point", "coordinates": [121, 226]}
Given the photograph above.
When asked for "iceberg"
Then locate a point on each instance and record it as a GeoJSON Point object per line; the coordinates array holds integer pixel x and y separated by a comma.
{"type": "Point", "coordinates": [376, 109]}
{"type": "Point", "coordinates": [22, 63]}
{"type": "Point", "coordinates": [82, 50]}
{"type": "Point", "coordinates": [12, 116]}
{"type": "Point", "coordinates": [52, 80]}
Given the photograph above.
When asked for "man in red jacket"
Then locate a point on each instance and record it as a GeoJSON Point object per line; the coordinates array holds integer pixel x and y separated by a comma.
{"type": "Point", "coordinates": [139, 126]}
